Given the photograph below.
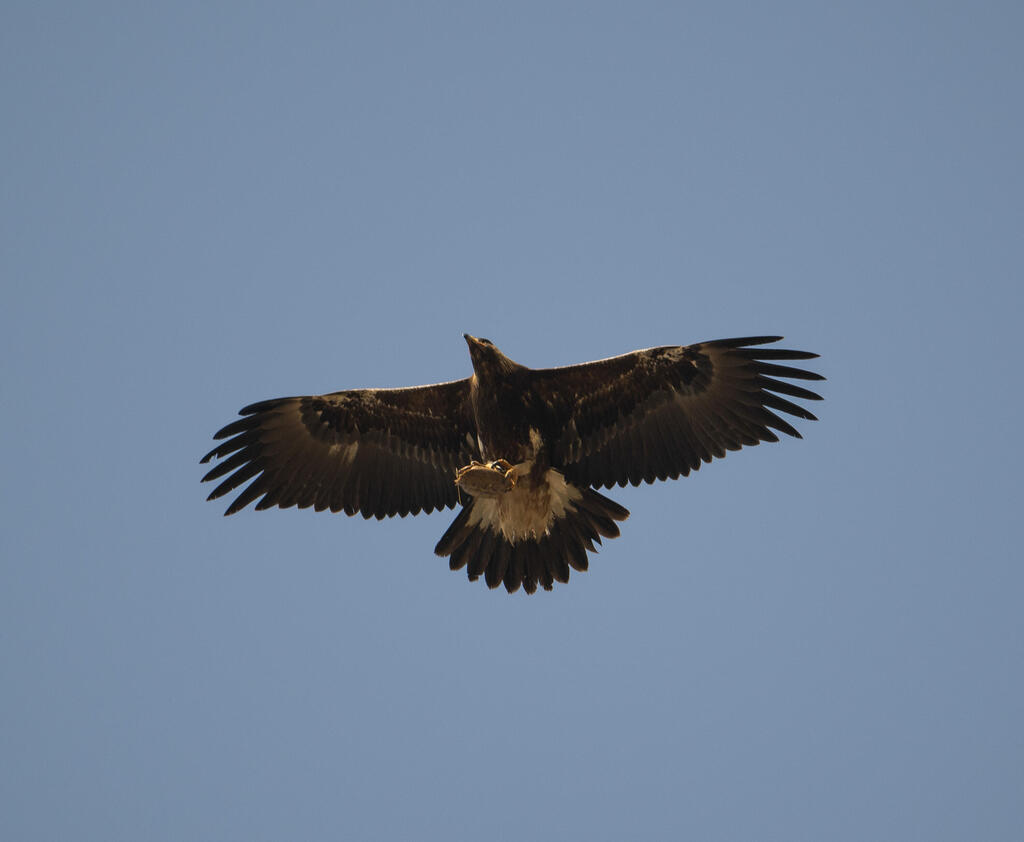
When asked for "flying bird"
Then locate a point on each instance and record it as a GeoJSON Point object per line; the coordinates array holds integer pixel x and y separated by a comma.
{"type": "Point", "coordinates": [521, 450]}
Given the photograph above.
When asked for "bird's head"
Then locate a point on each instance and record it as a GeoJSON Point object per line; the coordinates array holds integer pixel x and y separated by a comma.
{"type": "Point", "coordinates": [487, 359]}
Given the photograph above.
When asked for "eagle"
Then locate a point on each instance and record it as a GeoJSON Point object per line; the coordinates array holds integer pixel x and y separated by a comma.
{"type": "Point", "coordinates": [521, 451]}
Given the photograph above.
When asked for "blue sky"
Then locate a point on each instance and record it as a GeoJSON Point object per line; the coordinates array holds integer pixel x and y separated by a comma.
{"type": "Point", "coordinates": [204, 205]}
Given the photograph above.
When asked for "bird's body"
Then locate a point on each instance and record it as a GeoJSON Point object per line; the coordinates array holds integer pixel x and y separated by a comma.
{"type": "Point", "coordinates": [521, 449]}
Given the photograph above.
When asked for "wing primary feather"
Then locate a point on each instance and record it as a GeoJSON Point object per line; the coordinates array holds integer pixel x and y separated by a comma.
{"type": "Point", "coordinates": [222, 450]}
{"type": "Point", "coordinates": [740, 342]}
{"type": "Point", "coordinates": [228, 465]}
{"type": "Point", "coordinates": [264, 406]}
{"type": "Point", "coordinates": [776, 423]}
{"type": "Point", "coordinates": [255, 489]}
{"type": "Point", "coordinates": [776, 354]}
{"type": "Point", "coordinates": [784, 388]}
{"type": "Point", "coordinates": [787, 371]}
{"type": "Point", "coordinates": [238, 427]}
{"type": "Point", "coordinates": [246, 472]}
{"type": "Point", "coordinates": [270, 499]}
{"type": "Point", "coordinates": [789, 407]}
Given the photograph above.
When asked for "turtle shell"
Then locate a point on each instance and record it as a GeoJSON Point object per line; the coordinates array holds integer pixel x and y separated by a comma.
{"type": "Point", "coordinates": [483, 481]}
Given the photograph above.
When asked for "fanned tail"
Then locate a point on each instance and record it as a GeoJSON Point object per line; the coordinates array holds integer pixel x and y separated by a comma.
{"type": "Point", "coordinates": [475, 542]}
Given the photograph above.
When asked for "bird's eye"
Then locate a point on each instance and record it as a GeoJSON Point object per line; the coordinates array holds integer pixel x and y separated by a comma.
{"type": "Point", "coordinates": [486, 341]}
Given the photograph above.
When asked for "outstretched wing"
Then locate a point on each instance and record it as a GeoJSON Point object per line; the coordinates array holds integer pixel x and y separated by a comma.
{"type": "Point", "coordinates": [661, 412]}
{"type": "Point", "coordinates": [379, 452]}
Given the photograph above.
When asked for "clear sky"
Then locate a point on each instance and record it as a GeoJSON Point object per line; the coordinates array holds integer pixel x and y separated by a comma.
{"type": "Point", "coordinates": [207, 204]}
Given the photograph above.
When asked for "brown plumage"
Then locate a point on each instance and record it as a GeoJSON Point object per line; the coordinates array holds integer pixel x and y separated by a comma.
{"type": "Point", "coordinates": [652, 414]}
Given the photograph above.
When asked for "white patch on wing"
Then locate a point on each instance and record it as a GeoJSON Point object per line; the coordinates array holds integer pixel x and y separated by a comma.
{"type": "Point", "coordinates": [344, 453]}
{"type": "Point", "coordinates": [529, 509]}
{"type": "Point", "coordinates": [535, 440]}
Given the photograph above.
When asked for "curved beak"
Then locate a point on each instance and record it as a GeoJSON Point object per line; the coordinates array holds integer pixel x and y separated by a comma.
{"type": "Point", "coordinates": [476, 350]}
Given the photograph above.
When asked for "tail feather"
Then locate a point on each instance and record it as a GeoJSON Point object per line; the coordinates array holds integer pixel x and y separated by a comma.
{"type": "Point", "coordinates": [465, 551]}
{"type": "Point", "coordinates": [456, 534]}
{"type": "Point", "coordinates": [479, 546]}
{"type": "Point", "coordinates": [494, 574]}
{"type": "Point", "coordinates": [514, 565]}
